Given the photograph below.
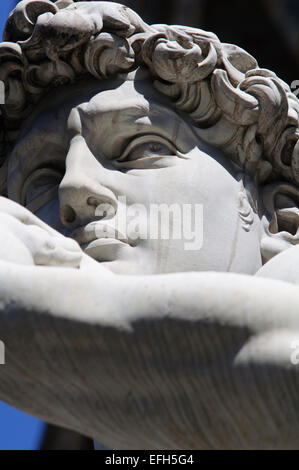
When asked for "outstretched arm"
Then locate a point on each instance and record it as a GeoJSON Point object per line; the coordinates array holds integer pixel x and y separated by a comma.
{"type": "Point", "coordinates": [117, 358]}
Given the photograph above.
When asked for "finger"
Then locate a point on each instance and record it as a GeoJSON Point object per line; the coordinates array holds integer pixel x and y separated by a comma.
{"type": "Point", "coordinates": [49, 250]}
{"type": "Point", "coordinates": [35, 245]}
{"type": "Point", "coordinates": [15, 217]}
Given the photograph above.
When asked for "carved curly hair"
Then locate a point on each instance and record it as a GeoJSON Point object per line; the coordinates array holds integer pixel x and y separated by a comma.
{"type": "Point", "coordinates": [246, 111]}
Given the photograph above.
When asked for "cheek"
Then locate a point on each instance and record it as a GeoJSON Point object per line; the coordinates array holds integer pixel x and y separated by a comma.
{"type": "Point", "coordinates": [173, 185]}
{"type": "Point", "coordinates": [198, 182]}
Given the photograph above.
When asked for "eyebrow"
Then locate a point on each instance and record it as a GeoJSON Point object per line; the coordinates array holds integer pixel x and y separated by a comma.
{"type": "Point", "coordinates": [136, 118]}
{"type": "Point", "coordinates": [110, 115]}
{"type": "Point", "coordinates": [140, 106]}
{"type": "Point", "coordinates": [50, 134]}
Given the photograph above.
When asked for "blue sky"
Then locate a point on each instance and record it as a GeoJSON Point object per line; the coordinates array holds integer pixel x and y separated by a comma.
{"type": "Point", "coordinates": [18, 431]}
{"type": "Point", "coordinates": [5, 7]}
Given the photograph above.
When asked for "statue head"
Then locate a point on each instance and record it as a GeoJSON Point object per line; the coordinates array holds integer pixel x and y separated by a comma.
{"type": "Point", "coordinates": [103, 112]}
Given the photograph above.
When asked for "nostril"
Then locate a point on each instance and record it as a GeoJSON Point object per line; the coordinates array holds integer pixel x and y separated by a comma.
{"type": "Point", "coordinates": [67, 214]}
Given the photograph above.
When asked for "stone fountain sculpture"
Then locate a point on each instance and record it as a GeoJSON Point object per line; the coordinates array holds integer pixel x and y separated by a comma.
{"type": "Point", "coordinates": [135, 341]}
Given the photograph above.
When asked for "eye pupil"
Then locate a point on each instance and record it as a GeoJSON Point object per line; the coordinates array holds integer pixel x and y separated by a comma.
{"type": "Point", "coordinates": [155, 147]}
{"type": "Point", "coordinates": [147, 150]}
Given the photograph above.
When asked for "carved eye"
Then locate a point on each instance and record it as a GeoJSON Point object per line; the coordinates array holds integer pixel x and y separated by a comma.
{"type": "Point", "coordinates": [148, 151]}
{"type": "Point", "coordinates": [40, 187]}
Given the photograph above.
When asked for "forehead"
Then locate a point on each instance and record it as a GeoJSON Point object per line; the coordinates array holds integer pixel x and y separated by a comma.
{"type": "Point", "coordinates": [92, 96]}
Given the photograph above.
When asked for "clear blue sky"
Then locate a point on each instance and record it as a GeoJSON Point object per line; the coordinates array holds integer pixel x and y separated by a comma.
{"type": "Point", "coordinates": [18, 431]}
{"type": "Point", "coordinates": [5, 7]}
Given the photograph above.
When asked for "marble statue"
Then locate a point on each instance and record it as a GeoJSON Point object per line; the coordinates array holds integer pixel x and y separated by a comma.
{"type": "Point", "coordinates": [137, 341]}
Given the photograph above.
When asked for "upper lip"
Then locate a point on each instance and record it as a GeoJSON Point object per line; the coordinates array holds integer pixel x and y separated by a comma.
{"type": "Point", "coordinates": [97, 230]}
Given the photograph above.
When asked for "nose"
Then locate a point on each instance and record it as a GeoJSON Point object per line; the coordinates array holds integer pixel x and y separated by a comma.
{"type": "Point", "coordinates": [84, 186]}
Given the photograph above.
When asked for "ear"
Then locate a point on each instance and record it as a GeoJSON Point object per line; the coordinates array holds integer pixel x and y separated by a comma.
{"type": "Point", "coordinates": [280, 221]}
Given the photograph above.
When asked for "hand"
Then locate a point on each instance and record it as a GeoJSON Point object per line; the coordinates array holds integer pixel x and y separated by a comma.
{"type": "Point", "coordinates": [25, 239]}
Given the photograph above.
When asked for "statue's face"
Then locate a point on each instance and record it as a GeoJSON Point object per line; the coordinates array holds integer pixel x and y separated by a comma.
{"type": "Point", "coordinates": [110, 145]}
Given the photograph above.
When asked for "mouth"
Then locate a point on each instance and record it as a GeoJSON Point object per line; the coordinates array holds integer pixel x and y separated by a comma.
{"type": "Point", "coordinates": [102, 241]}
